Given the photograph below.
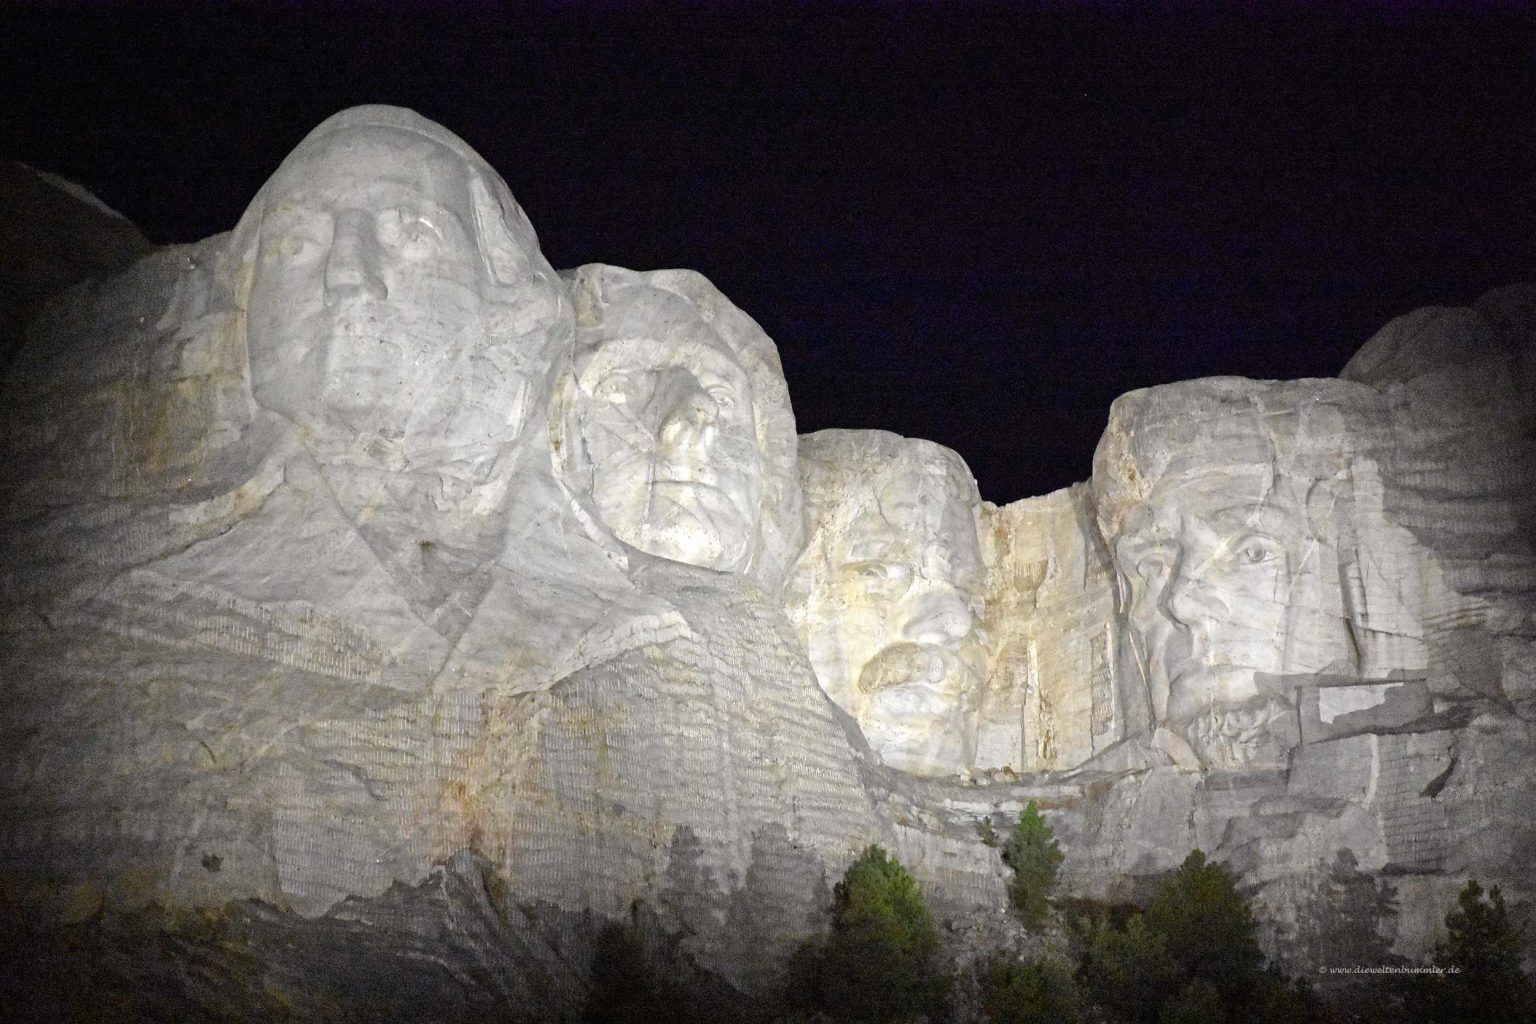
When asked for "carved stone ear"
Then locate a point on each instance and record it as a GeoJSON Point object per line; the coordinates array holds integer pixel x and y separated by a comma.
{"type": "Point", "coordinates": [501, 248]}
{"type": "Point", "coordinates": [565, 437]}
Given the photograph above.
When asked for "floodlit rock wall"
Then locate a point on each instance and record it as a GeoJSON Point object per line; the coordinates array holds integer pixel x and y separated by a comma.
{"type": "Point", "coordinates": [357, 563]}
{"type": "Point", "coordinates": [1052, 694]}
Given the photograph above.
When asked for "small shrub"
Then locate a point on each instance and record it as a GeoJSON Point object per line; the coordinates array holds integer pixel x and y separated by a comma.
{"type": "Point", "coordinates": [1030, 992]}
{"type": "Point", "coordinates": [1192, 957]}
{"type": "Point", "coordinates": [626, 986]}
{"type": "Point", "coordinates": [987, 831]}
{"type": "Point", "coordinates": [1271, 999]}
{"type": "Point", "coordinates": [881, 961]}
{"type": "Point", "coordinates": [1035, 857]}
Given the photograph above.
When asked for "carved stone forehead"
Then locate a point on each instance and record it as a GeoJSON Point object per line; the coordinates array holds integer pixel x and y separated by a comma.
{"type": "Point", "coordinates": [648, 329]}
{"type": "Point", "coordinates": [1263, 436]}
{"type": "Point", "coordinates": [896, 470]}
{"type": "Point", "coordinates": [858, 481]}
{"type": "Point", "coordinates": [370, 164]}
{"type": "Point", "coordinates": [380, 146]}
{"type": "Point", "coordinates": [1224, 498]}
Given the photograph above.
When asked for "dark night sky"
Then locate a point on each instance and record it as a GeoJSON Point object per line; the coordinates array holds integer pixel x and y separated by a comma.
{"type": "Point", "coordinates": [973, 224]}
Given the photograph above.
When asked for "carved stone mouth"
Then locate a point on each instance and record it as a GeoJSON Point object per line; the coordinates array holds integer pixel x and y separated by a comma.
{"type": "Point", "coordinates": [703, 489]}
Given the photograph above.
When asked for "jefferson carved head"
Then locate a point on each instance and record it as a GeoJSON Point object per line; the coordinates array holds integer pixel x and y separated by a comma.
{"type": "Point", "coordinates": [1221, 501]}
{"type": "Point", "coordinates": [394, 290]}
{"type": "Point", "coordinates": [887, 592]}
{"type": "Point", "coordinates": [674, 423]}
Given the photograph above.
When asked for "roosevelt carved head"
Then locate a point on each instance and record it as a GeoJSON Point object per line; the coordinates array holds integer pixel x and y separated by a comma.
{"type": "Point", "coordinates": [674, 422]}
{"type": "Point", "coordinates": [888, 591]}
{"type": "Point", "coordinates": [1221, 501]}
{"type": "Point", "coordinates": [393, 290]}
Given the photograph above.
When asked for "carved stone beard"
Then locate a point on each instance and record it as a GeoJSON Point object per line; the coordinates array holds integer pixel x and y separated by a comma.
{"type": "Point", "coordinates": [1256, 734]}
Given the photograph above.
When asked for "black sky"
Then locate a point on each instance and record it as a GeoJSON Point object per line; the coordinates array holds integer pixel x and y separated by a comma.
{"type": "Point", "coordinates": [973, 224]}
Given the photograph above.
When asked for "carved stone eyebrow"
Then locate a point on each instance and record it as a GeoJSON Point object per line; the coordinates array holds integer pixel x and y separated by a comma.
{"type": "Point", "coordinates": [1264, 517]}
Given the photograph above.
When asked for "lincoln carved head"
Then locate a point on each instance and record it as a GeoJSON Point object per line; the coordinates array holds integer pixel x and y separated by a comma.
{"type": "Point", "coordinates": [1220, 500]}
{"type": "Point", "coordinates": [888, 590]}
{"type": "Point", "coordinates": [394, 290]}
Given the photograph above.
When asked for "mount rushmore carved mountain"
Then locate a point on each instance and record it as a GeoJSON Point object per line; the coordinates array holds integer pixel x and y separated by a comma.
{"type": "Point", "coordinates": [404, 602]}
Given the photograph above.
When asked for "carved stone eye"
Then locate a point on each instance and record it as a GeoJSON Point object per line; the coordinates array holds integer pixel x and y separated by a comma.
{"type": "Point", "coordinates": [878, 574]}
{"type": "Point", "coordinates": [723, 394]}
{"type": "Point", "coordinates": [295, 243]}
{"type": "Point", "coordinates": [1256, 550]}
{"type": "Point", "coordinates": [412, 236]}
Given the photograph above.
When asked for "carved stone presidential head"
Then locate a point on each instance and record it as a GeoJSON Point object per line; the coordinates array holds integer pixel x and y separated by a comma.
{"type": "Point", "coordinates": [674, 422]}
{"type": "Point", "coordinates": [887, 593]}
{"type": "Point", "coordinates": [1221, 501]}
{"type": "Point", "coordinates": [393, 290]}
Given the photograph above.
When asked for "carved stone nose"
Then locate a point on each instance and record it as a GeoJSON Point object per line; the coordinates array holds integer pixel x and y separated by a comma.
{"type": "Point", "coordinates": [1190, 599]}
{"type": "Point", "coordinates": [690, 420]}
{"type": "Point", "coordinates": [938, 618]}
{"type": "Point", "coordinates": [352, 268]}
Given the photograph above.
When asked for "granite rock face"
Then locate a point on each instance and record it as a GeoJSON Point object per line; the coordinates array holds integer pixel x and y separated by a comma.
{"type": "Point", "coordinates": [359, 564]}
{"type": "Point", "coordinates": [1318, 653]}
{"type": "Point", "coordinates": [1050, 602]}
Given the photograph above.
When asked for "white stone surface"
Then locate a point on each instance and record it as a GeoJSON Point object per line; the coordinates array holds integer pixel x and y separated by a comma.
{"type": "Point", "coordinates": [359, 538]}
{"type": "Point", "coordinates": [704, 771]}
{"type": "Point", "coordinates": [1051, 698]}
{"type": "Point", "coordinates": [887, 595]}
{"type": "Point", "coordinates": [321, 435]}
{"type": "Point", "coordinates": [1237, 531]}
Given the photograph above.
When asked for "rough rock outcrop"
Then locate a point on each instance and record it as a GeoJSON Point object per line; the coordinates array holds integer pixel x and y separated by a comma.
{"type": "Point", "coordinates": [1320, 642]}
{"type": "Point", "coordinates": [56, 234]}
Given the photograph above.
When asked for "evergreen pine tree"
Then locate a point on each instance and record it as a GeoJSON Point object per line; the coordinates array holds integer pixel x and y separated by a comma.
{"type": "Point", "coordinates": [1481, 955]}
{"type": "Point", "coordinates": [1035, 857]}
{"type": "Point", "coordinates": [881, 963]}
{"type": "Point", "coordinates": [1208, 927]}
